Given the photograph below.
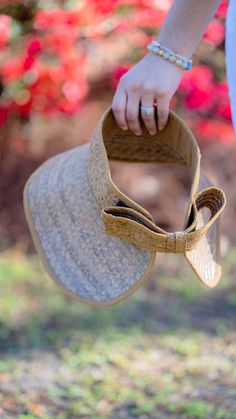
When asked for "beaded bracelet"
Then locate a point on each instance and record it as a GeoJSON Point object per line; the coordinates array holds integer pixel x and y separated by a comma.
{"type": "Point", "coordinates": [169, 55]}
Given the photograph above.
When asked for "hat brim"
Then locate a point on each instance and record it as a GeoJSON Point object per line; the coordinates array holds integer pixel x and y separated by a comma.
{"type": "Point", "coordinates": [205, 258]}
{"type": "Point", "coordinates": [70, 237]}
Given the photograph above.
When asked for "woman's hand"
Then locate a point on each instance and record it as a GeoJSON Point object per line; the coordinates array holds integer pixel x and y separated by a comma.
{"type": "Point", "coordinates": [151, 78]}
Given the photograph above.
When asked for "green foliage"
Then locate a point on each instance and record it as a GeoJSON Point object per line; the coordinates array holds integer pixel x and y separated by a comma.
{"type": "Point", "coordinates": [199, 409]}
{"type": "Point", "coordinates": [150, 356]}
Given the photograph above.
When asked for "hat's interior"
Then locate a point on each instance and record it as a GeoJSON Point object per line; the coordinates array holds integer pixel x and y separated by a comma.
{"type": "Point", "coordinates": [174, 144]}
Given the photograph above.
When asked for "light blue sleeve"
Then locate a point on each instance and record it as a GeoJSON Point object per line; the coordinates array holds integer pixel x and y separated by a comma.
{"type": "Point", "coordinates": [230, 56]}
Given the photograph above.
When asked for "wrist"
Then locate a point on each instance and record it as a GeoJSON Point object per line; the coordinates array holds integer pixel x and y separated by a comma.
{"type": "Point", "coordinates": [186, 23]}
{"type": "Point", "coordinates": [176, 41]}
{"type": "Point", "coordinates": [160, 61]}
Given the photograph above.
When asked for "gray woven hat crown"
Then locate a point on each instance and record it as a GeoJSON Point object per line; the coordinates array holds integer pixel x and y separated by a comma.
{"type": "Point", "coordinates": [95, 241]}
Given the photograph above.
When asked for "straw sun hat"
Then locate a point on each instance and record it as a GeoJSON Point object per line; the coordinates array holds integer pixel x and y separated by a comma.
{"type": "Point", "coordinates": [95, 241]}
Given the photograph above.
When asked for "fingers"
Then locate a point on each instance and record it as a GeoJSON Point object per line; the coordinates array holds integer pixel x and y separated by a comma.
{"type": "Point", "coordinates": [162, 111]}
{"type": "Point", "coordinates": [119, 107]}
{"type": "Point", "coordinates": [147, 99]}
{"type": "Point", "coordinates": [132, 112]}
{"type": "Point", "coordinates": [126, 107]}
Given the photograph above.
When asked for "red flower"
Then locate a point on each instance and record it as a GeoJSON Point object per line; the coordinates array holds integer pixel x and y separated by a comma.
{"type": "Point", "coordinates": [212, 130]}
{"type": "Point", "coordinates": [48, 19]}
{"type": "Point", "coordinates": [198, 88]}
{"type": "Point", "coordinates": [222, 9]}
{"type": "Point", "coordinates": [5, 22]}
{"type": "Point", "coordinates": [223, 107]}
{"type": "Point", "coordinates": [4, 111]}
{"type": "Point", "coordinates": [74, 91]}
{"type": "Point", "coordinates": [161, 4]}
{"type": "Point", "coordinates": [200, 77]}
{"type": "Point", "coordinates": [61, 41]}
{"type": "Point", "coordinates": [28, 62]}
{"type": "Point", "coordinates": [10, 1]}
{"type": "Point", "coordinates": [104, 6]}
{"type": "Point", "coordinates": [200, 99]}
{"type": "Point", "coordinates": [57, 73]}
{"type": "Point", "coordinates": [44, 91]}
{"type": "Point", "coordinates": [34, 46]}
{"type": "Point", "coordinates": [68, 107]}
{"type": "Point", "coordinates": [74, 18]}
{"type": "Point", "coordinates": [117, 73]}
{"type": "Point", "coordinates": [11, 70]}
{"type": "Point", "coordinates": [215, 32]}
{"type": "Point", "coordinates": [75, 67]}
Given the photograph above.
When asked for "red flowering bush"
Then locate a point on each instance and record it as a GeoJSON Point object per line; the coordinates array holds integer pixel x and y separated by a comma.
{"type": "Point", "coordinates": [44, 66]}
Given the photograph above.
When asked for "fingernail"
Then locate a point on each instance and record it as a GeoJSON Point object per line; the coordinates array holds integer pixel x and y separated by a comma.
{"type": "Point", "coordinates": [124, 128]}
{"type": "Point", "coordinates": [160, 127]}
{"type": "Point", "coordinates": [138, 132]}
{"type": "Point", "coordinates": [152, 132]}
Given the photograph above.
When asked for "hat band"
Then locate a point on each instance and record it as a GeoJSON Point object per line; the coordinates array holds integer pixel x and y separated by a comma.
{"type": "Point", "coordinates": [128, 224]}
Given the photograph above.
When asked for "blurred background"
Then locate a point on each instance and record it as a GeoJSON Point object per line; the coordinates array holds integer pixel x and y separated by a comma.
{"type": "Point", "coordinates": [169, 351]}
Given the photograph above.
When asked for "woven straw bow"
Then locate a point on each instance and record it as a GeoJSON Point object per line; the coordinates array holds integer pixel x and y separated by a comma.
{"type": "Point", "coordinates": [126, 223]}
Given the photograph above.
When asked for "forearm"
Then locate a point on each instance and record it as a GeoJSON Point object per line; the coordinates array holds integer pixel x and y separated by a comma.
{"type": "Point", "coordinates": [186, 23]}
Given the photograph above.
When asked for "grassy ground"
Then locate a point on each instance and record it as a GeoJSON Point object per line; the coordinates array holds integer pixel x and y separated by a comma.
{"type": "Point", "coordinates": [169, 351]}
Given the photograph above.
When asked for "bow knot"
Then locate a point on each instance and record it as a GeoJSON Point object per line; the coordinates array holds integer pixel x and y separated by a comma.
{"type": "Point", "coordinates": [126, 223]}
{"type": "Point", "coordinates": [176, 241]}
